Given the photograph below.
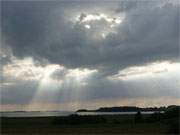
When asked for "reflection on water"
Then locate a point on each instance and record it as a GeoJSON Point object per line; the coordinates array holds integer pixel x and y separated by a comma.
{"type": "Point", "coordinates": [64, 113]}
{"type": "Point", "coordinates": [35, 114]}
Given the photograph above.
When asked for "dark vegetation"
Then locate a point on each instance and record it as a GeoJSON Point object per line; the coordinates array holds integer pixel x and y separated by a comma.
{"type": "Point", "coordinates": [157, 123]}
{"type": "Point", "coordinates": [124, 109]}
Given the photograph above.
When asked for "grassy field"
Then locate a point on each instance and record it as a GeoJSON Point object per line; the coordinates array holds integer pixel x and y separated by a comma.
{"type": "Point", "coordinates": [107, 124]}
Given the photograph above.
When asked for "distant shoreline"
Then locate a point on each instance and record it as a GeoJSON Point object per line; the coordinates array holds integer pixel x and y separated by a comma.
{"type": "Point", "coordinates": [156, 123]}
{"type": "Point", "coordinates": [107, 109]}
{"type": "Point", "coordinates": [122, 110]}
{"type": "Point", "coordinates": [128, 109]}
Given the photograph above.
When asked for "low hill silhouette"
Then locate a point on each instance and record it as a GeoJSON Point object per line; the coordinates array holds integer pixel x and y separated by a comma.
{"type": "Point", "coordinates": [126, 109]}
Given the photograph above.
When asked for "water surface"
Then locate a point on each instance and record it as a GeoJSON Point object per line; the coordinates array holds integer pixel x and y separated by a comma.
{"type": "Point", "coordinates": [65, 113]}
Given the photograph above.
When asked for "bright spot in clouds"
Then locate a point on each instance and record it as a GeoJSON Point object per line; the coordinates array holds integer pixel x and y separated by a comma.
{"type": "Point", "coordinates": [47, 72]}
{"type": "Point", "coordinates": [147, 70]}
{"type": "Point", "coordinates": [87, 26]}
{"type": "Point", "coordinates": [80, 74]}
{"type": "Point", "coordinates": [97, 17]}
{"type": "Point", "coordinates": [100, 24]}
{"type": "Point", "coordinates": [26, 69]}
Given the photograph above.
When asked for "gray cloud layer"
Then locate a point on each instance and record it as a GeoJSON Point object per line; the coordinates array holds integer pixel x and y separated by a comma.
{"type": "Point", "coordinates": [149, 32]}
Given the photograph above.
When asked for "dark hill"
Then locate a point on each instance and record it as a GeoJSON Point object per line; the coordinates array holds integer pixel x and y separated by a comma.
{"type": "Point", "coordinates": [125, 109]}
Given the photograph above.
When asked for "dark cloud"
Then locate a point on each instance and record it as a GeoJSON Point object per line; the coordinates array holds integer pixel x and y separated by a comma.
{"type": "Point", "coordinates": [149, 32]}
{"type": "Point", "coordinates": [145, 35]}
{"type": "Point", "coordinates": [125, 6]}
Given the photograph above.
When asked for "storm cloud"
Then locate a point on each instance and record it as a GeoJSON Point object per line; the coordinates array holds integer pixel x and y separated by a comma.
{"type": "Point", "coordinates": [85, 49]}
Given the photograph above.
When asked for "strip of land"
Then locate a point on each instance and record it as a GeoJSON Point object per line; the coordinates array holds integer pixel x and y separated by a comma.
{"type": "Point", "coordinates": [157, 123]}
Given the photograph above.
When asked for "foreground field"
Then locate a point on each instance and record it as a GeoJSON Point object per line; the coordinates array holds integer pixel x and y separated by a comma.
{"type": "Point", "coordinates": [105, 124]}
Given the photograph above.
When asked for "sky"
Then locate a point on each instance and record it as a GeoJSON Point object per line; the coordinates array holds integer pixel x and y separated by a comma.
{"type": "Point", "coordinates": [69, 55]}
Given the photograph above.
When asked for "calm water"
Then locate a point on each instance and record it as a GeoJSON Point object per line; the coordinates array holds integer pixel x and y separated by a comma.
{"type": "Point", "coordinates": [63, 113]}
{"type": "Point", "coordinates": [35, 114]}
